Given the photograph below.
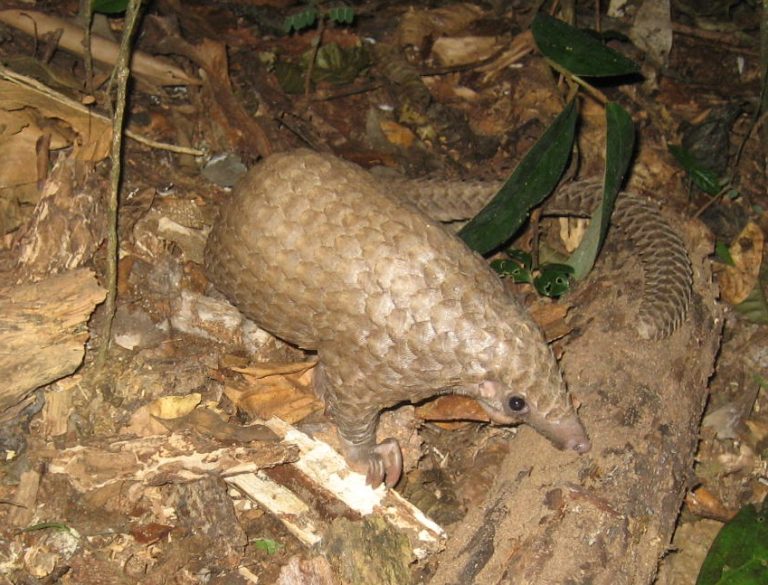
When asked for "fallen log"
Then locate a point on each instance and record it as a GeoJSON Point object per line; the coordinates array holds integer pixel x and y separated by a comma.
{"type": "Point", "coordinates": [606, 517]}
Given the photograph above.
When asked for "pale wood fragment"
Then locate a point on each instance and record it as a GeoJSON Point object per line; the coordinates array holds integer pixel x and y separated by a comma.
{"type": "Point", "coordinates": [24, 500]}
{"type": "Point", "coordinates": [43, 330]}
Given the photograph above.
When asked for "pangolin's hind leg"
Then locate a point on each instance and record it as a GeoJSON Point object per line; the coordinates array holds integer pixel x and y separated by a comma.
{"type": "Point", "coordinates": [356, 424]}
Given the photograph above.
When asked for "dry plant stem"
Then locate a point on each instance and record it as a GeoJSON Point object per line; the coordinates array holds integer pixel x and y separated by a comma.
{"type": "Point", "coordinates": [712, 200]}
{"type": "Point", "coordinates": [315, 49]}
{"type": "Point", "coordinates": [86, 10]}
{"type": "Point", "coordinates": [764, 81]}
{"type": "Point", "coordinates": [591, 90]}
{"type": "Point", "coordinates": [598, 24]}
{"type": "Point", "coordinates": [347, 92]}
{"type": "Point", "coordinates": [122, 70]}
{"type": "Point", "coordinates": [757, 125]}
{"type": "Point", "coordinates": [727, 40]}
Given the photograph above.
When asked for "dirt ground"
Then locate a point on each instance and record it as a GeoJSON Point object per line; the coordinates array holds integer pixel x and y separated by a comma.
{"type": "Point", "coordinates": [128, 466]}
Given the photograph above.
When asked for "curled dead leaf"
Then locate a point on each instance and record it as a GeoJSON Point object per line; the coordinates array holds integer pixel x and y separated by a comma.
{"type": "Point", "coordinates": [397, 134]}
{"type": "Point", "coordinates": [416, 25]}
{"type": "Point", "coordinates": [704, 503]}
{"type": "Point", "coordinates": [463, 50]}
{"type": "Point", "coordinates": [280, 390]}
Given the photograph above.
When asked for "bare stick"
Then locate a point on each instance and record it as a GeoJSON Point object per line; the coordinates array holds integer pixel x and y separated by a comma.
{"type": "Point", "coordinates": [123, 73]}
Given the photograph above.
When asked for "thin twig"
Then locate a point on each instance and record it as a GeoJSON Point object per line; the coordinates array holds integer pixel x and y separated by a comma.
{"type": "Point", "coordinates": [711, 201]}
{"type": "Point", "coordinates": [122, 71]}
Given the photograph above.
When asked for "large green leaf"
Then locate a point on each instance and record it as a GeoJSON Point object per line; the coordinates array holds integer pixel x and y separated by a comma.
{"type": "Point", "coordinates": [620, 143]}
{"type": "Point", "coordinates": [533, 179]}
{"type": "Point", "coordinates": [109, 6]}
{"type": "Point", "coordinates": [576, 51]}
{"type": "Point", "coordinates": [739, 554]}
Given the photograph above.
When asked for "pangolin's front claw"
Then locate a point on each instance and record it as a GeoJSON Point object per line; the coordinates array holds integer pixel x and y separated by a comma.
{"type": "Point", "coordinates": [385, 463]}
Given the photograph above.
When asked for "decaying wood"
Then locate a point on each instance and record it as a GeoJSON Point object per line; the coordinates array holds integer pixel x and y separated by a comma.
{"type": "Point", "coordinates": [608, 516]}
{"type": "Point", "coordinates": [66, 227]}
{"type": "Point", "coordinates": [208, 521]}
{"type": "Point", "coordinates": [306, 571]}
{"type": "Point", "coordinates": [43, 330]}
{"type": "Point", "coordinates": [175, 458]}
{"type": "Point", "coordinates": [328, 471]}
{"type": "Point", "coordinates": [181, 458]}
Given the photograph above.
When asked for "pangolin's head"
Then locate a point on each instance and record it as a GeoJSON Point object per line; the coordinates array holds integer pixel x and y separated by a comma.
{"type": "Point", "coordinates": [524, 385]}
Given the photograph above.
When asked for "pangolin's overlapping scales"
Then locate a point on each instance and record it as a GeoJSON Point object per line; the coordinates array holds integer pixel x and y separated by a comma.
{"type": "Point", "coordinates": [667, 275]}
{"type": "Point", "coordinates": [666, 268]}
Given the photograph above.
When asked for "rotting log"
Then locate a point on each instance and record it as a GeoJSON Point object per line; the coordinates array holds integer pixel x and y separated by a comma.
{"type": "Point", "coordinates": [43, 331]}
{"type": "Point", "coordinates": [606, 517]}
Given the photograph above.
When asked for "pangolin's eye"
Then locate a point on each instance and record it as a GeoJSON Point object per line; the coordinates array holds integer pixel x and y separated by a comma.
{"type": "Point", "coordinates": [517, 403]}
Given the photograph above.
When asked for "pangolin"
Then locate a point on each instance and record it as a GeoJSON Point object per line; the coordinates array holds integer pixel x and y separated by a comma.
{"type": "Point", "coordinates": [322, 254]}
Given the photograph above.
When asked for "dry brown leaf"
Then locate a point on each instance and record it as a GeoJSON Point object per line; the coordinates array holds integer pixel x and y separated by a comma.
{"type": "Point", "coordinates": [704, 503]}
{"type": "Point", "coordinates": [20, 136]}
{"type": "Point", "coordinates": [276, 368]}
{"type": "Point", "coordinates": [277, 389]}
{"type": "Point", "coordinates": [452, 408]}
{"type": "Point", "coordinates": [397, 134]}
{"type": "Point", "coordinates": [416, 25]}
{"type": "Point", "coordinates": [463, 50]}
{"type": "Point", "coordinates": [736, 282]}
{"type": "Point", "coordinates": [95, 133]}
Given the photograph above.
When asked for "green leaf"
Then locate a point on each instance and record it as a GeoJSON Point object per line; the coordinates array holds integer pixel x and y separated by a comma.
{"type": "Point", "coordinates": [303, 19]}
{"type": "Point", "coordinates": [533, 179]}
{"type": "Point", "coordinates": [267, 545]}
{"type": "Point", "coordinates": [521, 257]}
{"type": "Point", "coordinates": [512, 269]}
{"type": "Point", "coordinates": [57, 526]}
{"type": "Point", "coordinates": [620, 142]}
{"type": "Point", "coordinates": [705, 179]}
{"type": "Point", "coordinates": [723, 253]}
{"type": "Point", "coordinates": [576, 51]}
{"type": "Point", "coordinates": [739, 553]}
{"type": "Point", "coordinates": [109, 6]}
{"type": "Point", "coordinates": [342, 14]}
{"type": "Point", "coordinates": [554, 280]}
